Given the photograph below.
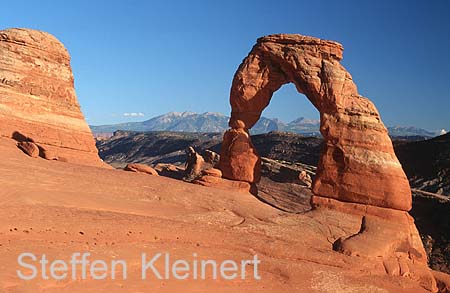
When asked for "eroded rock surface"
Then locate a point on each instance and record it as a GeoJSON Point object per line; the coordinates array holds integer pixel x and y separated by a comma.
{"type": "Point", "coordinates": [29, 148]}
{"type": "Point", "coordinates": [239, 159]}
{"type": "Point", "coordinates": [37, 96]}
{"type": "Point", "coordinates": [358, 163]}
{"type": "Point", "coordinates": [358, 172]}
{"type": "Point", "coordinates": [194, 164]}
{"type": "Point", "coordinates": [124, 215]}
{"type": "Point", "coordinates": [141, 168]}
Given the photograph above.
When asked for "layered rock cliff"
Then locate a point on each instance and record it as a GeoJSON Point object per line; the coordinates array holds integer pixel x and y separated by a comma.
{"type": "Point", "coordinates": [37, 97]}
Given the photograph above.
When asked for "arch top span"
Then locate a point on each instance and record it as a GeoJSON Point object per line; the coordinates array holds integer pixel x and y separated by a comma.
{"type": "Point", "coordinates": [358, 163]}
{"type": "Point", "coordinates": [311, 64]}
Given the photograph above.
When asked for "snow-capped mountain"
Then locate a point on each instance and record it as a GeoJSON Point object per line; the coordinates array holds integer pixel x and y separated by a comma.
{"type": "Point", "coordinates": [217, 122]}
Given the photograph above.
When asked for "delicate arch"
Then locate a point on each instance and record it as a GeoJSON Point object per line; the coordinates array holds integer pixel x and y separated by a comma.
{"type": "Point", "coordinates": [358, 163]}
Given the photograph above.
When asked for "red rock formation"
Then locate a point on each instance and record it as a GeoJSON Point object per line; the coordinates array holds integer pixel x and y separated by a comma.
{"type": "Point", "coordinates": [358, 172]}
{"type": "Point", "coordinates": [212, 172]}
{"type": "Point", "coordinates": [37, 97]}
{"type": "Point", "coordinates": [224, 184]}
{"type": "Point", "coordinates": [29, 148]}
{"type": "Point", "coordinates": [239, 159]}
{"type": "Point", "coordinates": [141, 168]}
{"type": "Point", "coordinates": [358, 163]}
{"type": "Point", "coordinates": [194, 164]}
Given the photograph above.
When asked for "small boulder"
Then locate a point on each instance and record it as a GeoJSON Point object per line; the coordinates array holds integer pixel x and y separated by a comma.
{"type": "Point", "coordinates": [47, 154]}
{"type": "Point", "coordinates": [141, 168]}
{"type": "Point", "coordinates": [169, 170]}
{"type": "Point", "coordinates": [29, 148]}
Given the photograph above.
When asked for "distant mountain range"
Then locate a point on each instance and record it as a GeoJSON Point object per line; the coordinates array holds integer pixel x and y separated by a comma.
{"type": "Point", "coordinates": [216, 122]}
{"type": "Point", "coordinates": [209, 122]}
{"type": "Point", "coordinates": [413, 131]}
{"type": "Point", "coordinates": [173, 121]}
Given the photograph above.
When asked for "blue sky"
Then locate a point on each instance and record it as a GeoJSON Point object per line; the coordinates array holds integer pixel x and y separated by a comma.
{"type": "Point", "coordinates": [154, 57]}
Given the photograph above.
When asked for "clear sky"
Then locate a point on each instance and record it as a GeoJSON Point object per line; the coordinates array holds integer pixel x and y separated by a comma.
{"type": "Point", "coordinates": [153, 57]}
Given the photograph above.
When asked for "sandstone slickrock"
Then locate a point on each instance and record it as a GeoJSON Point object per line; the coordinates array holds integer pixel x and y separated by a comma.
{"type": "Point", "coordinates": [358, 163]}
{"type": "Point", "coordinates": [211, 180]}
{"type": "Point", "coordinates": [443, 281]}
{"type": "Point", "coordinates": [141, 168]}
{"type": "Point", "coordinates": [37, 96]}
{"type": "Point", "coordinates": [385, 235]}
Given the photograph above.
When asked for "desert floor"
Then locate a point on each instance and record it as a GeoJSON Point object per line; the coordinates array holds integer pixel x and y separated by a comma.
{"type": "Point", "coordinates": [57, 208]}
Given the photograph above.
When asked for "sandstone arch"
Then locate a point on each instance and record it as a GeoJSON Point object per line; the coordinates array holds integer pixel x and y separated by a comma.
{"type": "Point", "coordinates": [358, 163]}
